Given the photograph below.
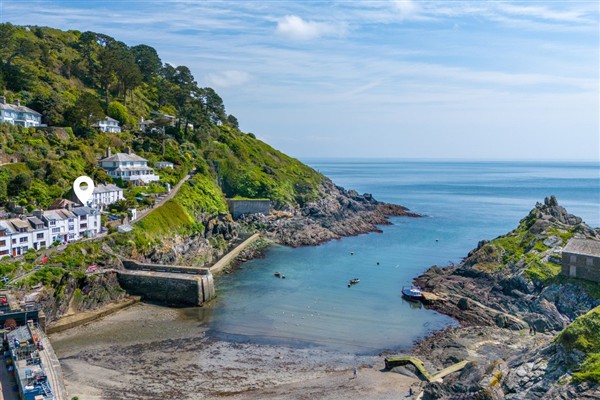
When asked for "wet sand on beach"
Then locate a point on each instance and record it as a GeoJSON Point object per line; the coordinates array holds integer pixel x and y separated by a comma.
{"type": "Point", "coordinates": [152, 352]}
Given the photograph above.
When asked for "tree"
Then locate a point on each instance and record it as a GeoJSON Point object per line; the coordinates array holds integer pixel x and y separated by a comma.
{"type": "Point", "coordinates": [232, 121]}
{"type": "Point", "coordinates": [147, 60]}
{"type": "Point", "coordinates": [86, 110]}
{"type": "Point", "coordinates": [118, 111]}
{"type": "Point", "coordinates": [19, 184]}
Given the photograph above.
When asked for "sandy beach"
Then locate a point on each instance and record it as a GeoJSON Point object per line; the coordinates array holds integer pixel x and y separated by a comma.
{"type": "Point", "coordinates": [152, 352]}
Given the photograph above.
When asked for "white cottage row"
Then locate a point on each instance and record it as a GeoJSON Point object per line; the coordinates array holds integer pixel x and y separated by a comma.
{"type": "Point", "coordinates": [17, 235]}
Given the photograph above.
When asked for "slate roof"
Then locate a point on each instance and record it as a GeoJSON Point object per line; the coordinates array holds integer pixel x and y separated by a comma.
{"type": "Point", "coordinates": [585, 247]}
{"type": "Point", "coordinates": [102, 188]}
{"type": "Point", "coordinates": [123, 157]}
{"type": "Point", "coordinates": [83, 211]}
{"type": "Point", "coordinates": [21, 109]}
{"type": "Point", "coordinates": [58, 214]}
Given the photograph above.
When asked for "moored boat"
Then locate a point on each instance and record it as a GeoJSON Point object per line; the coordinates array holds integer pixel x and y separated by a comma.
{"type": "Point", "coordinates": [354, 280]}
{"type": "Point", "coordinates": [412, 293]}
{"type": "Point", "coordinates": [277, 274]}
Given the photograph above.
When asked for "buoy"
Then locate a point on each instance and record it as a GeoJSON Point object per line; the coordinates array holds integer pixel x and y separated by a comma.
{"type": "Point", "coordinates": [351, 253]}
{"type": "Point", "coordinates": [377, 262]}
{"type": "Point", "coordinates": [282, 276]}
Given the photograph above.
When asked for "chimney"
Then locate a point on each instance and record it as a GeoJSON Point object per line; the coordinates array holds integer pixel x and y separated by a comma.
{"type": "Point", "coordinates": [108, 152]}
{"type": "Point", "coordinates": [17, 103]}
{"type": "Point", "coordinates": [141, 119]}
{"type": "Point", "coordinates": [2, 100]}
{"type": "Point", "coordinates": [128, 150]}
{"type": "Point", "coordinates": [69, 205]}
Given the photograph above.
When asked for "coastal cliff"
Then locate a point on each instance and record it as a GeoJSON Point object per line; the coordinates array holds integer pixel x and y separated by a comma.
{"type": "Point", "coordinates": [337, 213]}
{"type": "Point", "coordinates": [512, 304]}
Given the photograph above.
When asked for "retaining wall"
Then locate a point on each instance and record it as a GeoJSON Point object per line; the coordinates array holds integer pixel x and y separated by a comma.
{"type": "Point", "coordinates": [169, 288]}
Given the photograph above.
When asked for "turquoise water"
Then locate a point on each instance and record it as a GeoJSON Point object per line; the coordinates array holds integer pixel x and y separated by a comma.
{"type": "Point", "coordinates": [463, 202]}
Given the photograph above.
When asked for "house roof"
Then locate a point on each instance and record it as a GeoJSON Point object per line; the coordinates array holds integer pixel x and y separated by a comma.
{"type": "Point", "coordinates": [586, 247]}
{"type": "Point", "coordinates": [14, 107]}
{"type": "Point", "coordinates": [108, 119]}
{"type": "Point", "coordinates": [79, 211]}
{"type": "Point", "coordinates": [35, 220]}
{"type": "Point", "coordinates": [58, 214]}
{"type": "Point", "coordinates": [102, 188]}
{"type": "Point", "coordinates": [61, 203]}
{"type": "Point", "coordinates": [18, 223]}
{"type": "Point", "coordinates": [123, 157]}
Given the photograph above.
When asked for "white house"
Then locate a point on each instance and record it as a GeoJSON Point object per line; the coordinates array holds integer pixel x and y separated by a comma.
{"type": "Point", "coordinates": [40, 235]}
{"type": "Point", "coordinates": [104, 195]}
{"type": "Point", "coordinates": [129, 167]}
{"type": "Point", "coordinates": [16, 114]}
{"type": "Point", "coordinates": [108, 124]}
{"type": "Point", "coordinates": [88, 221]}
{"type": "Point", "coordinates": [61, 225]}
{"type": "Point", "coordinates": [4, 240]}
{"type": "Point", "coordinates": [163, 165]}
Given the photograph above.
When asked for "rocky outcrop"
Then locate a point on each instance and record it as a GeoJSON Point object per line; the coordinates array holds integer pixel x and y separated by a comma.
{"type": "Point", "coordinates": [220, 233]}
{"type": "Point", "coordinates": [337, 214]}
{"type": "Point", "coordinates": [79, 293]}
{"type": "Point", "coordinates": [498, 299]}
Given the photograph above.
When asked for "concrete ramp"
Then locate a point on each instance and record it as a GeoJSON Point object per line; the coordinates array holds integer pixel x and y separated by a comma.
{"type": "Point", "coordinates": [391, 362]}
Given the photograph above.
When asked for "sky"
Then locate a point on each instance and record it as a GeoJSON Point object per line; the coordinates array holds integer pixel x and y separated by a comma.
{"type": "Point", "coordinates": [484, 80]}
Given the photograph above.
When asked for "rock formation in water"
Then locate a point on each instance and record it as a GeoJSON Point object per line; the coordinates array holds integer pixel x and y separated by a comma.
{"type": "Point", "coordinates": [512, 302]}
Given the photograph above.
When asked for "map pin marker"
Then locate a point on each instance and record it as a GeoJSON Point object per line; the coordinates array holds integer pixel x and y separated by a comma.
{"type": "Point", "coordinates": [83, 194]}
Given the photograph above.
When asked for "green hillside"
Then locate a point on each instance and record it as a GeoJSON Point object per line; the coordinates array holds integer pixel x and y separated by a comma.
{"type": "Point", "coordinates": [70, 76]}
{"type": "Point", "coordinates": [583, 335]}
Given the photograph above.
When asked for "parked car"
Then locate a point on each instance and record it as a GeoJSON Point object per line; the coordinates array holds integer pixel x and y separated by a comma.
{"type": "Point", "coordinates": [5, 279]}
{"type": "Point", "coordinates": [91, 268]}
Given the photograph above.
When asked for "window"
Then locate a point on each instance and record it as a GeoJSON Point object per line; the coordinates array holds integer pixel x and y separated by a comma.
{"type": "Point", "coordinates": [52, 222]}
{"type": "Point", "coordinates": [71, 220]}
{"type": "Point", "coordinates": [589, 261]}
{"type": "Point", "coordinates": [82, 226]}
{"type": "Point", "coordinates": [23, 240]}
{"type": "Point", "coordinates": [572, 258]}
{"type": "Point", "coordinates": [71, 227]}
{"type": "Point", "coordinates": [3, 252]}
{"type": "Point", "coordinates": [55, 230]}
{"type": "Point", "coordinates": [40, 236]}
{"type": "Point", "coordinates": [71, 236]}
{"type": "Point", "coordinates": [14, 241]}
{"type": "Point", "coordinates": [43, 243]}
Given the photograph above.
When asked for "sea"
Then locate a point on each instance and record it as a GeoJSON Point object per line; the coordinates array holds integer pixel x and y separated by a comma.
{"type": "Point", "coordinates": [462, 202]}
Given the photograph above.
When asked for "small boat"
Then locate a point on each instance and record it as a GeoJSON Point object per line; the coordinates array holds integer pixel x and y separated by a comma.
{"type": "Point", "coordinates": [354, 281]}
{"type": "Point", "coordinates": [412, 293]}
{"type": "Point", "coordinates": [277, 274]}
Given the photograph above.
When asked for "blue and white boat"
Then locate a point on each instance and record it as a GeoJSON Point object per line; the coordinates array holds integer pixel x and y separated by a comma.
{"type": "Point", "coordinates": [412, 293]}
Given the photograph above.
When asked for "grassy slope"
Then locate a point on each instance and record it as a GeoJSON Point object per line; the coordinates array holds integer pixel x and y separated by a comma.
{"type": "Point", "coordinates": [583, 334]}
{"type": "Point", "coordinates": [523, 246]}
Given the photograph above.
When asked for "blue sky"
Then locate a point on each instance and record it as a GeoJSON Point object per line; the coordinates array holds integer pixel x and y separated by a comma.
{"type": "Point", "coordinates": [403, 79]}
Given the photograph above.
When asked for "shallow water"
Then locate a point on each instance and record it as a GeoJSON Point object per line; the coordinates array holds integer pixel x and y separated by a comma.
{"type": "Point", "coordinates": [464, 202]}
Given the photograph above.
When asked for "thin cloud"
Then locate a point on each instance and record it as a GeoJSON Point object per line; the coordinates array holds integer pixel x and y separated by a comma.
{"type": "Point", "coordinates": [226, 79]}
{"type": "Point", "coordinates": [406, 9]}
{"type": "Point", "coordinates": [294, 27]}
